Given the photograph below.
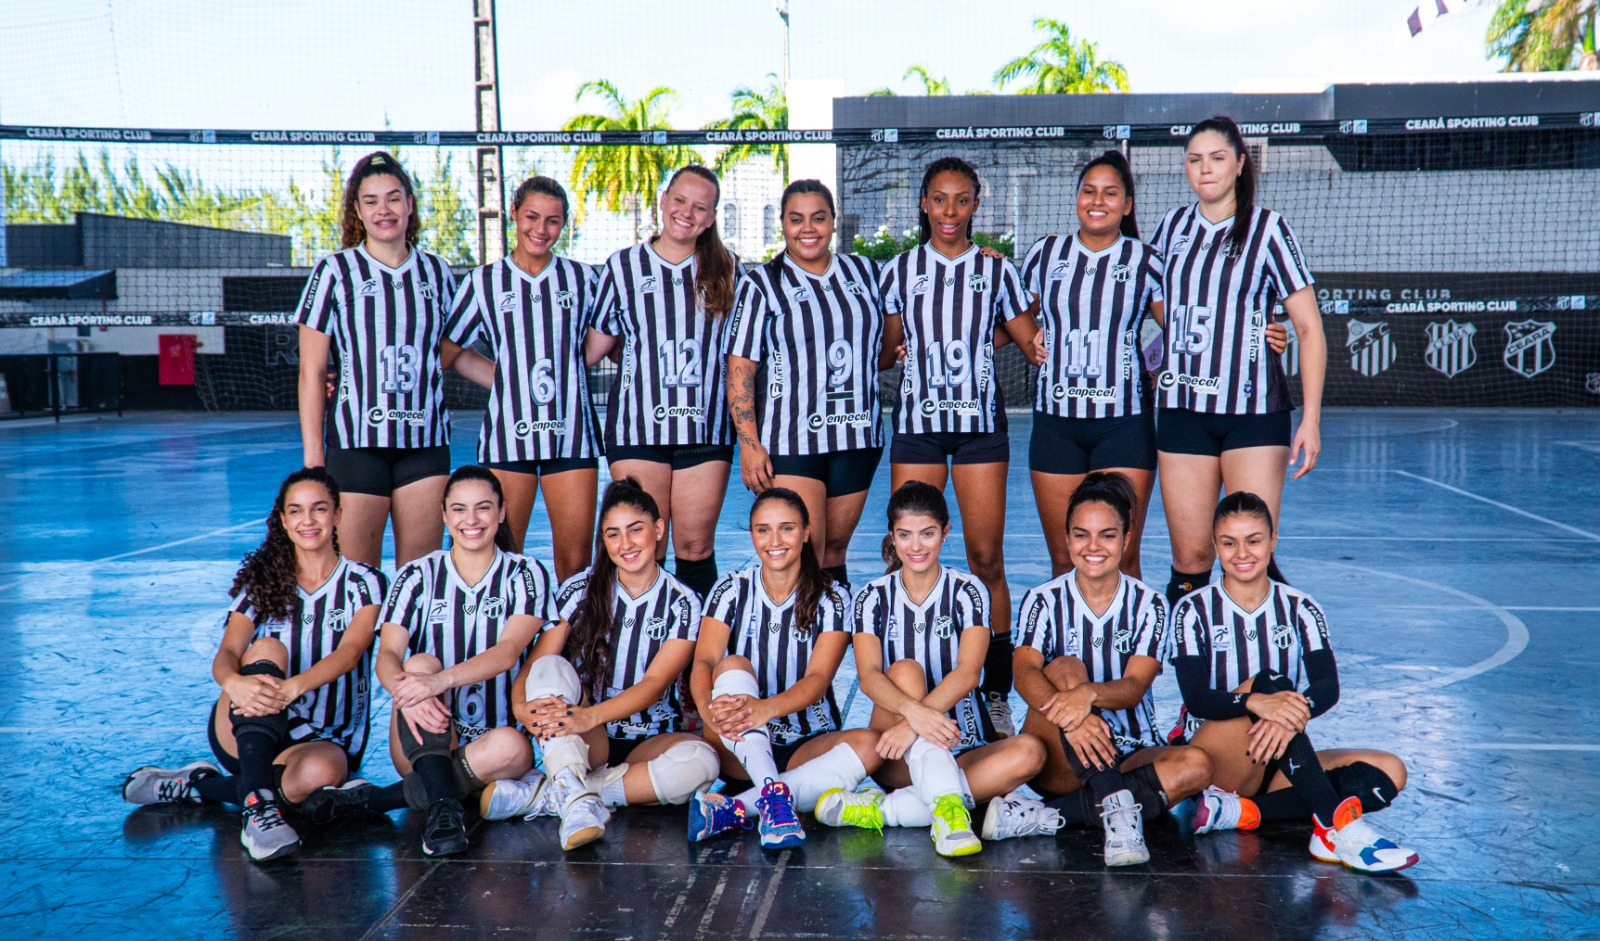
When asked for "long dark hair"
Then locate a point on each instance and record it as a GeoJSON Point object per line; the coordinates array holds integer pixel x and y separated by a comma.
{"type": "Point", "coordinates": [795, 188]}
{"type": "Point", "coordinates": [814, 583]}
{"type": "Point", "coordinates": [591, 642]}
{"type": "Point", "coordinates": [1244, 190]}
{"type": "Point", "coordinates": [377, 163]}
{"type": "Point", "coordinates": [1110, 488]}
{"type": "Point", "coordinates": [503, 539]}
{"type": "Point", "coordinates": [1116, 161]}
{"type": "Point", "coordinates": [1245, 503]}
{"type": "Point", "coordinates": [914, 496]}
{"type": "Point", "coordinates": [267, 574]}
{"type": "Point", "coordinates": [713, 276]}
{"type": "Point", "coordinates": [944, 165]}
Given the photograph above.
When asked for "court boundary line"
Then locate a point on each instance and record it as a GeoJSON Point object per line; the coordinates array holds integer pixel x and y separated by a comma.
{"type": "Point", "coordinates": [1496, 503]}
{"type": "Point", "coordinates": [133, 552]}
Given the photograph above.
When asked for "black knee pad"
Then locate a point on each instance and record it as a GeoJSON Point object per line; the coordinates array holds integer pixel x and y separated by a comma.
{"type": "Point", "coordinates": [431, 743]}
{"type": "Point", "coordinates": [1147, 790]}
{"type": "Point", "coordinates": [1269, 682]}
{"type": "Point", "coordinates": [1368, 782]}
{"type": "Point", "coordinates": [275, 726]}
{"type": "Point", "coordinates": [700, 575]}
{"type": "Point", "coordinates": [467, 782]}
{"type": "Point", "coordinates": [997, 665]}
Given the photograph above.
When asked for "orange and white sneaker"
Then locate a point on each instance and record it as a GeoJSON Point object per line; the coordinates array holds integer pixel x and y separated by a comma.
{"type": "Point", "coordinates": [1356, 843]}
{"type": "Point", "coordinates": [1216, 809]}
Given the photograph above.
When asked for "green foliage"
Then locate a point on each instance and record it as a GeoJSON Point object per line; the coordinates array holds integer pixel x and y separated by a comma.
{"type": "Point", "coordinates": [1061, 65]}
{"type": "Point", "coordinates": [449, 227]}
{"type": "Point", "coordinates": [1003, 242]}
{"type": "Point", "coordinates": [756, 111]}
{"type": "Point", "coordinates": [624, 179]}
{"type": "Point", "coordinates": [883, 245]}
{"type": "Point", "coordinates": [1551, 36]}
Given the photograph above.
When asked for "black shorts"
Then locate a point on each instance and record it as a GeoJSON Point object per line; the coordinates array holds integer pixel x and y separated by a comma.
{"type": "Point", "coordinates": [230, 763]}
{"type": "Point", "coordinates": [1180, 431]}
{"type": "Point", "coordinates": [1048, 795]}
{"type": "Point", "coordinates": [382, 471]}
{"type": "Point", "coordinates": [841, 472]}
{"type": "Point", "coordinates": [782, 755]}
{"type": "Point", "coordinates": [938, 447]}
{"type": "Point", "coordinates": [680, 456]}
{"type": "Point", "coordinates": [621, 748]}
{"type": "Point", "coordinates": [552, 465]}
{"type": "Point", "coordinates": [1080, 445]}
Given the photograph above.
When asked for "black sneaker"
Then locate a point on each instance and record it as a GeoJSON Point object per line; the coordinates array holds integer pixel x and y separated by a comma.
{"type": "Point", "coordinates": [333, 805]}
{"type": "Point", "coordinates": [445, 832]}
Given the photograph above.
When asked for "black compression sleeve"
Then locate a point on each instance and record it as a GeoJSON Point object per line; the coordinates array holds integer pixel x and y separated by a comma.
{"type": "Point", "coordinates": [1323, 674]}
{"type": "Point", "coordinates": [1199, 698]}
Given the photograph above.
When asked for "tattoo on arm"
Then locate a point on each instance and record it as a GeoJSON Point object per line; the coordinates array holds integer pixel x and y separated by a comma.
{"type": "Point", "coordinates": [743, 405]}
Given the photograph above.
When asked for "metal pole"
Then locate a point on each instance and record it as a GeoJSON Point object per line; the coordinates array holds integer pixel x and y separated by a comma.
{"type": "Point", "coordinates": [490, 166]}
{"type": "Point", "coordinates": [782, 8]}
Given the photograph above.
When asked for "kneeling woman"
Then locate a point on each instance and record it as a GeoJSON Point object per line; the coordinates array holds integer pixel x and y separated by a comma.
{"type": "Point", "coordinates": [456, 628]}
{"type": "Point", "coordinates": [922, 632]}
{"type": "Point", "coordinates": [293, 667]}
{"type": "Point", "coordinates": [771, 640]}
{"type": "Point", "coordinates": [601, 685]}
{"type": "Point", "coordinates": [1090, 644]}
{"type": "Point", "coordinates": [1245, 646]}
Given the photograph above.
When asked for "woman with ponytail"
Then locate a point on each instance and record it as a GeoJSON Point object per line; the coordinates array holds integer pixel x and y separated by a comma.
{"type": "Point", "coordinates": [1225, 404]}
{"type": "Point", "coordinates": [600, 692]}
{"type": "Point", "coordinates": [293, 664]}
{"type": "Point", "coordinates": [771, 640]}
{"type": "Point", "coordinates": [921, 634]}
{"type": "Point", "coordinates": [666, 303]}
{"type": "Point", "coordinates": [1255, 666]}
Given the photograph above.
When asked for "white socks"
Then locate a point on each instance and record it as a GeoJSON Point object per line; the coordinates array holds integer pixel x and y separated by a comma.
{"type": "Point", "coordinates": [839, 767]}
{"type": "Point", "coordinates": [754, 750]}
{"type": "Point", "coordinates": [934, 773]}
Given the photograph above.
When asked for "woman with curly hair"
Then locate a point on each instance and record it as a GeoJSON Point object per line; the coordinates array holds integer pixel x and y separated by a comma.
{"type": "Point", "coordinates": [293, 664]}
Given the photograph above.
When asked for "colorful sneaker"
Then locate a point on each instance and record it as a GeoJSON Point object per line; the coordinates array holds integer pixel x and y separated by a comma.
{"type": "Point", "coordinates": [444, 833]}
{"type": "Point", "coordinates": [502, 800]}
{"type": "Point", "coordinates": [841, 808]}
{"type": "Point", "coordinates": [1356, 843]}
{"type": "Point", "coordinates": [999, 708]}
{"type": "Point", "coordinates": [780, 828]}
{"type": "Point", "coordinates": [1013, 815]}
{"type": "Point", "coordinates": [711, 814]}
{"type": "Point", "coordinates": [1216, 809]}
{"type": "Point", "coordinates": [327, 806]}
{"type": "Point", "coordinates": [152, 785]}
{"type": "Point", "coordinates": [1124, 830]}
{"type": "Point", "coordinates": [265, 834]}
{"type": "Point", "coordinates": [952, 827]}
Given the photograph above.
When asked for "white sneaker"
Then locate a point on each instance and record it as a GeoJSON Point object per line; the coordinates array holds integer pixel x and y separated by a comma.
{"type": "Point", "coordinates": [583, 816]}
{"type": "Point", "coordinates": [1124, 830]}
{"type": "Point", "coordinates": [999, 708]}
{"type": "Point", "coordinates": [952, 827]}
{"type": "Point", "coordinates": [1014, 815]}
{"type": "Point", "coordinates": [1356, 843]}
{"type": "Point", "coordinates": [502, 800]}
{"type": "Point", "coordinates": [1216, 809]}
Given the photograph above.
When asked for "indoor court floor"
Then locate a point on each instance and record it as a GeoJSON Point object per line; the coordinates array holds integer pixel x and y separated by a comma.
{"type": "Point", "coordinates": [1456, 554]}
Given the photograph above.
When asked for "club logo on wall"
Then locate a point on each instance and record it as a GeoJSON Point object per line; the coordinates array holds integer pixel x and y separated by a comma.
{"type": "Point", "coordinates": [1450, 348]}
{"type": "Point", "coordinates": [1530, 347]}
{"type": "Point", "coordinates": [1371, 347]}
{"type": "Point", "coordinates": [1591, 383]}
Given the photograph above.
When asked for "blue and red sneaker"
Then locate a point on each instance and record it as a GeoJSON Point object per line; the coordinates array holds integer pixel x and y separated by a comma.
{"type": "Point", "coordinates": [711, 814]}
{"type": "Point", "coordinates": [780, 828]}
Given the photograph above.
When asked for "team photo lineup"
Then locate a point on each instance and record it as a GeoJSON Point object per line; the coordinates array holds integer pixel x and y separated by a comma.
{"type": "Point", "coordinates": [607, 675]}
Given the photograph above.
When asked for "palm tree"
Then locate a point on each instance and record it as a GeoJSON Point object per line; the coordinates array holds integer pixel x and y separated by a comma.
{"type": "Point", "coordinates": [1062, 66]}
{"type": "Point", "coordinates": [624, 178]}
{"type": "Point", "coordinates": [756, 111]}
{"type": "Point", "coordinates": [931, 86]}
{"type": "Point", "coordinates": [1544, 35]}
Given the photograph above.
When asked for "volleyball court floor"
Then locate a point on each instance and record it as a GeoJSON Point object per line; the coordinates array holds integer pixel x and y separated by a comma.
{"type": "Point", "coordinates": [1456, 554]}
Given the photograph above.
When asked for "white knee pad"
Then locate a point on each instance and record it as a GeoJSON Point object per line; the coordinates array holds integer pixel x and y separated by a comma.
{"type": "Point", "coordinates": [553, 676]}
{"type": "Point", "coordinates": [681, 770]}
{"type": "Point", "coordinates": [736, 683]}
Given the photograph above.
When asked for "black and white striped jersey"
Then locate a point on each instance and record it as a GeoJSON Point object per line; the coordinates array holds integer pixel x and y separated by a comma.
{"type": "Point", "coordinates": [1091, 306]}
{"type": "Point", "coordinates": [1218, 307]}
{"type": "Point", "coordinates": [338, 711]}
{"type": "Point", "coordinates": [539, 405]}
{"type": "Point", "coordinates": [455, 622]}
{"type": "Point", "coordinates": [949, 308]}
{"type": "Point", "coordinates": [672, 386]}
{"type": "Point", "coordinates": [764, 632]}
{"type": "Point", "coordinates": [929, 633]}
{"type": "Point", "coordinates": [1237, 644]}
{"type": "Point", "coordinates": [1055, 620]}
{"type": "Point", "coordinates": [818, 338]}
{"type": "Point", "coordinates": [385, 324]}
{"type": "Point", "coordinates": [668, 610]}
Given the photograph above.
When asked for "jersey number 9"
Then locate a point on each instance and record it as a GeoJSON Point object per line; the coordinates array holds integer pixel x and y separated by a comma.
{"type": "Point", "coordinates": [841, 363]}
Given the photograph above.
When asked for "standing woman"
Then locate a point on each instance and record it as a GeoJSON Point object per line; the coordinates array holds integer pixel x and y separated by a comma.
{"type": "Point", "coordinates": [1255, 667]}
{"type": "Point", "coordinates": [1225, 404]}
{"type": "Point", "coordinates": [1093, 289]}
{"type": "Point", "coordinates": [921, 634]}
{"type": "Point", "coordinates": [772, 639]}
{"type": "Point", "coordinates": [379, 305]}
{"type": "Point", "coordinates": [949, 306]}
{"type": "Point", "coordinates": [814, 319]}
{"type": "Point", "coordinates": [667, 301]}
{"type": "Point", "coordinates": [534, 309]}
{"type": "Point", "coordinates": [293, 665]}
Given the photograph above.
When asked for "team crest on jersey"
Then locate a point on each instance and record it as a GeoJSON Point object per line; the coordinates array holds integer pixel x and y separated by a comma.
{"type": "Point", "coordinates": [922, 285]}
{"type": "Point", "coordinates": [1371, 347]}
{"type": "Point", "coordinates": [338, 620]}
{"type": "Point", "coordinates": [1221, 637]}
{"type": "Point", "coordinates": [978, 283]}
{"type": "Point", "coordinates": [510, 302]}
{"type": "Point", "coordinates": [1059, 271]}
{"type": "Point", "coordinates": [438, 611]}
{"type": "Point", "coordinates": [565, 300]}
{"type": "Point", "coordinates": [1283, 637]}
{"type": "Point", "coordinates": [945, 626]}
{"type": "Point", "coordinates": [1123, 639]}
{"type": "Point", "coordinates": [369, 288]}
{"type": "Point", "coordinates": [656, 628]}
{"type": "Point", "coordinates": [493, 608]}
{"type": "Point", "coordinates": [649, 284]}
{"type": "Point", "coordinates": [1121, 272]}
{"type": "Point", "coordinates": [1530, 347]}
{"type": "Point", "coordinates": [800, 294]}
{"type": "Point", "coordinates": [1450, 350]}
{"type": "Point", "coordinates": [426, 290]}
{"type": "Point", "coordinates": [856, 288]}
